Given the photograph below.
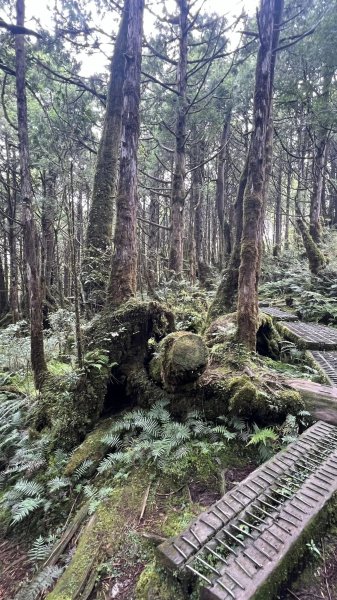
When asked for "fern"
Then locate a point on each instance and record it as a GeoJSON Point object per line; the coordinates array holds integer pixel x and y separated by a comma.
{"type": "Point", "coordinates": [40, 549]}
{"type": "Point", "coordinates": [24, 508]}
{"type": "Point", "coordinates": [58, 483]}
{"type": "Point", "coordinates": [82, 469]}
{"type": "Point", "coordinates": [262, 436]}
{"type": "Point", "coordinates": [40, 584]}
{"type": "Point", "coordinates": [224, 432]}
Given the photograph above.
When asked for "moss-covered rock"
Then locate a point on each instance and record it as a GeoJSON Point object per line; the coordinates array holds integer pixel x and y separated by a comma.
{"type": "Point", "coordinates": [157, 584]}
{"type": "Point", "coordinates": [182, 357]}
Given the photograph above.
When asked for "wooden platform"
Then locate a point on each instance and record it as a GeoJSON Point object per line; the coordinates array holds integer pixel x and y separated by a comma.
{"type": "Point", "coordinates": [309, 336]}
{"type": "Point", "coordinates": [278, 314]}
{"type": "Point", "coordinates": [327, 361]}
{"type": "Point", "coordinates": [242, 546]}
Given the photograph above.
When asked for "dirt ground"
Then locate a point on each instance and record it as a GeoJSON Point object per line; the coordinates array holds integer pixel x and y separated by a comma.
{"type": "Point", "coordinates": [15, 567]}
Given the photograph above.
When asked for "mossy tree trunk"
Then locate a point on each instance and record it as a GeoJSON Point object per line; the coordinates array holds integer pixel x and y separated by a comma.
{"type": "Point", "coordinates": [319, 161]}
{"type": "Point", "coordinates": [315, 256]}
{"type": "Point", "coordinates": [179, 173]}
{"type": "Point", "coordinates": [269, 18]}
{"type": "Point", "coordinates": [29, 227]}
{"type": "Point", "coordinates": [96, 260]}
{"type": "Point", "coordinates": [225, 297]}
{"type": "Point", "coordinates": [123, 273]}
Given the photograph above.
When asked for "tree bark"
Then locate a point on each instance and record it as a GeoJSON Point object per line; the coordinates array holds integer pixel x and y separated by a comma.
{"type": "Point", "coordinates": [278, 216]}
{"type": "Point", "coordinates": [96, 261]}
{"type": "Point", "coordinates": [269, 20]}
{"type": "Point", "coordinates": [123, 276]}
{"type": "Point", "coordinates": [29, 229]}
{"type": "Point", "coordinates": [179, 174]}
{"type": "Point", "coordinates": [3, 291]}
{"type": "Point", "coordinates": [220, 185]}
{"type": "Point", "coordinates": [319, 162]}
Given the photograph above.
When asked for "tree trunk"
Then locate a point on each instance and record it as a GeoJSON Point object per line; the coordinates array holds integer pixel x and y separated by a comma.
{"type": "Point", "coordinates": [269, 20]}
{"type": "Point", "coordinates": [48, 237]}
{"type": "Point", "coordinates": [99, 232]}
{"type": "Point", "coordinates": [11, 183]}
{"type": "Point", "coordinates": [220, 185]}
{"type": "Point", "coordinates": [29, 228]}
{"type": "Point", "coordinates": [319, 162]}
{"type": "Point", "coordinates": [3, 291]}
{"type": "Point", "coordinates": [179, 174]}
{"type": "Point", "coordinates": [225, 297]}
{"type": "Point", "coordinates": [287, 216]}
{"type": "Point", "coordinates": [123, 276]}
{"type": "Point", "coordinates": [153, 243]}
{"type": "Point", "coordinates": [278, 216]}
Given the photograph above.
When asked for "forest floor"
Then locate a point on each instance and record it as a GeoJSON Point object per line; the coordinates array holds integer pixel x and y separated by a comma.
{"type": "Point", "coordinates": [15, 568]}
{"type": "Point", "coordinates": [318, 581]}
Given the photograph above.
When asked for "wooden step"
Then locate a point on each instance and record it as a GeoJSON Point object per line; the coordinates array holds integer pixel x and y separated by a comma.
{"type": "Point", "coordinates": [247, 544]}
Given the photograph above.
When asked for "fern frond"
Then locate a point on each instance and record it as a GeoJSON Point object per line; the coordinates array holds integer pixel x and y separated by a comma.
{"type": "Point", "coordinates": [58, 483]}
{"type": "Point", "coordinates": [24, 508]}
{"type": "Point", "coordinates": [261, 436]}
{"type": "Point", "coordinates": [224, 432]}
{"type": "Point", "coordinates": [82, 469]}
{"type": "Point", "coordinates": [112, 439]}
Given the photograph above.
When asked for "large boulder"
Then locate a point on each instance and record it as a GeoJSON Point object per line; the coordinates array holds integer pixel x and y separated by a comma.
{"type": "Point", "coordinates": [181, 358]}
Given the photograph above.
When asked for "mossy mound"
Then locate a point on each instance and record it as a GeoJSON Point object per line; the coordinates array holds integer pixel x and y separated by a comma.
{"type": "Point", "coordinates": [115, 343]}
{"type": "Point", "coordinates": [250, 401]}
{"type": "Point", "coordinates": [181, 358]}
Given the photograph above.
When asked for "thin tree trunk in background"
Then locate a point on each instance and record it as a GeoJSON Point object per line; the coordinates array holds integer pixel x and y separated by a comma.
{"type": "Point", "coordinates": [287, 216]}
{"type": "Point", "coordinates": [179, 174]}
{"type": "Point", "coordinates": [3, 291]}
{"type": "Point", "coordinates": [269, 15]}
{"type": "Point", "coordinates": [96, 261]}
{"type": "Point", "coordinates": [48, 237]}
{"type": "Point", "coordinates": [72, 238]}
{"type": "Point", "coordinates": [11, 184]}
{"type": "Point", "coordinates": [319, 162]}
{"type": "Point", "coordinates": [278, 216]}
{"type": "Point", "coordinates": [153, 243]}
{"type": "Point", "coordinates": [123, 276]}
{"type": "Point", "coordinates": [29, 229]}
{"type": "Point", "coordinates": [220, 186]}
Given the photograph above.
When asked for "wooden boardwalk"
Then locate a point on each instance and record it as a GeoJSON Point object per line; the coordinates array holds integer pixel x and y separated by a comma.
{"type": "Point", "coordinates": [236, 547]}
{"type": "Point", "coordinates": [277, 314]}
{"type": "Point", "coordinates": [309, 336]}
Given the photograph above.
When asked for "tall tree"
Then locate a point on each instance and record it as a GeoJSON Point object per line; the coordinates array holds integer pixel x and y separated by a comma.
{"type": "Point", "coordinates": [123, 275]}
{"type": "Point", "coordinates": [99, 232]}
{"type": "Point", "coordinates": [269, 20]}
{"type": "Point", "coordinates": [179, 174]}
{"type": "Point", "coordinates": [29, 227]}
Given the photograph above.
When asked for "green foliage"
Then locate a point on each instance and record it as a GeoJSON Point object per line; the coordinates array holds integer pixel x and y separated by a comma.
{"type": "Point", "coordinates": [41, 583]}
{"type": "Point", "coordinates": [153, 437]}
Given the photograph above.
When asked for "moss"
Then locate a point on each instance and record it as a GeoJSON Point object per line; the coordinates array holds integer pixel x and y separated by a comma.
{"type": "Point", "coordinates": [290, 402]}
{"type": "Point", "coordinates": [245, 401]}
{"type": "Point", "coordinates": [321, 375]}
{"type": "Point", "coordinates": [103, 536]}
{"type": "Point", "coordinates": [182, 356]}
{"type": "Point", "coordinates": [157, 584]}
{"type": "Point", "coordinates": [91, 448]}
{"type": "Point", "coordinates": [71, 404]}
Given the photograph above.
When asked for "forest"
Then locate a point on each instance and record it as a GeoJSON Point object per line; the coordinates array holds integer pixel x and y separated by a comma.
{"type": "Point", "coordinates": [168, 300]}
